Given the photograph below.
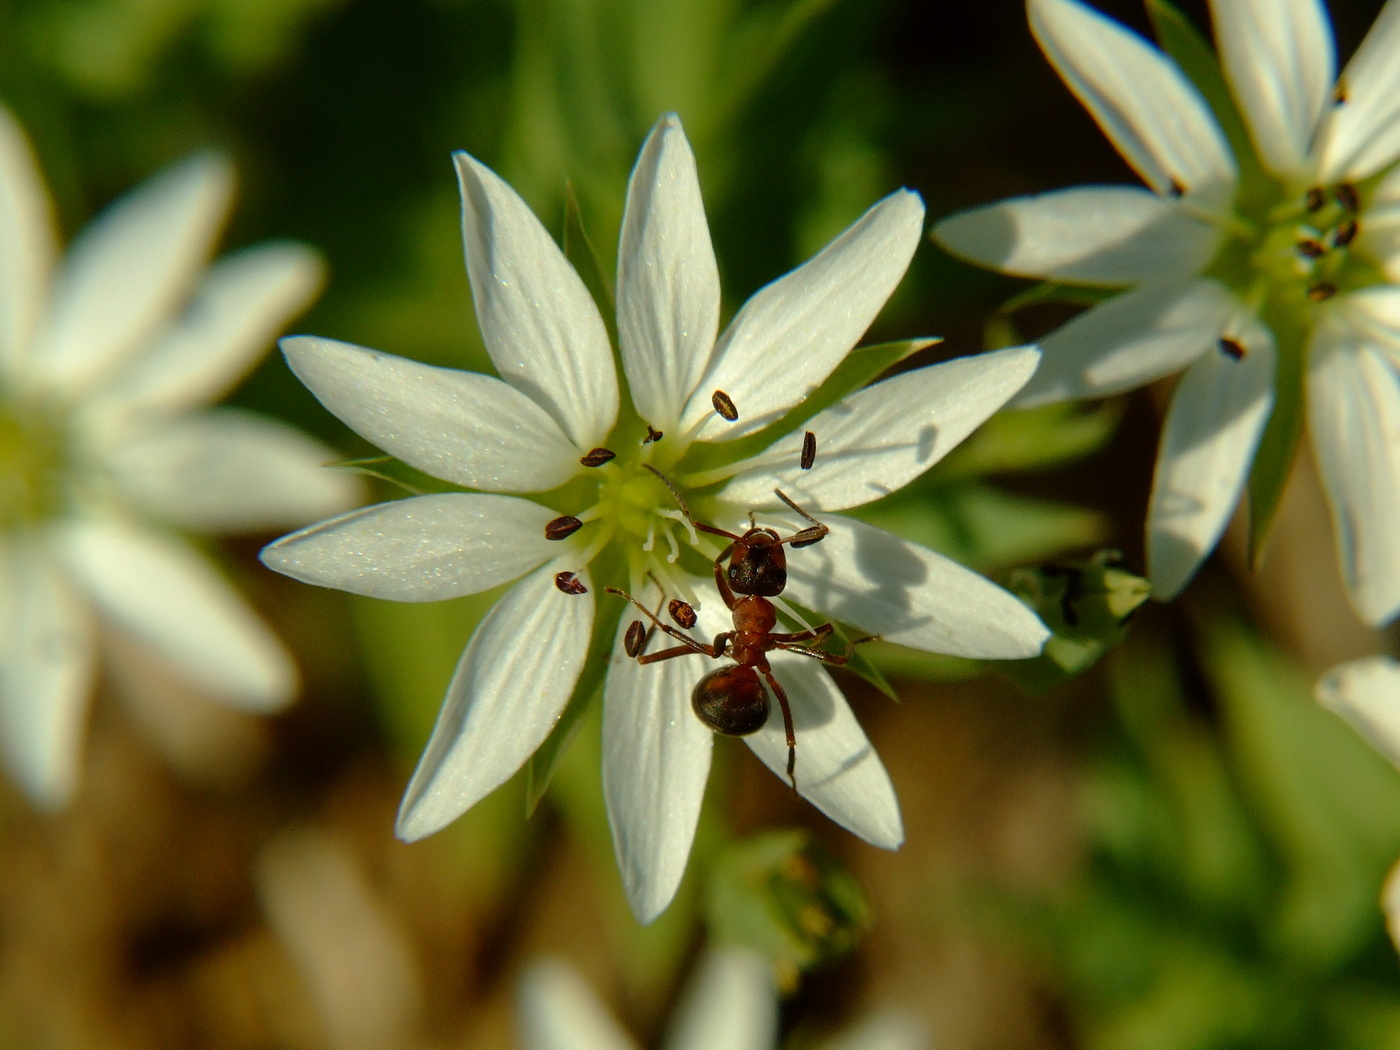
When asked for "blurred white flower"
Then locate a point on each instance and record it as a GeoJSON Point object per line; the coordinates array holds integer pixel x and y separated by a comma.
{"type": "Point", "coordinates": [732, 1004]}
{"type": "Point", "coordinates": [554, 425]}
{"type": "Point", "coordinates": [105, 361]}
{"type": "Point", "coordinates": [1301, 239]}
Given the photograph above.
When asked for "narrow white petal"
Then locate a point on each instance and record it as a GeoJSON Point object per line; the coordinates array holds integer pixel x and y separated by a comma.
{"type": "Point", "coordinates": [1105, 235]}
{"type": "Point", "coordinates": [1380, 225]}
{"type": "Point", "coordinates": [910, 595]}
{"type": "Point", "coordinates": [422, 549]}
{"type": "Point", "coordinates": [129, 271]}
{"type": "Point", "coordinates": [540, 325]}
{"type": "Point", "coordinates": [731, 1003]}
{"type": "Point", "coordinates": [1213, 426]}
{"type": "Point", "coordinates": [241, 305]}
{"type": "Point", "coordinates": [889, 1029]}
{"type": "Point", "coordinates": [656, 758]}
{"type": "Point", "coordinates": [1130, 340]}
{"type": "Point", "coordinates": [667, 279]}
{"type": "Point", "coordinates": [1141, 100]}
{"type": "Point", "coordinates": [1370, 316]}
{"type": "Point", "coordinates": [1354, 416]}
{"type": "Point", "coordinates": [1361, 135]}
{"type": "Point", "coordinates": [26, 243]}
{"type": "Point", "coordinates": [1366, 694]}
{"type": "Point", "coordinates": [1280, 60]}
{"type": "Point", "coordinates": [46, 668]}
{"type": "Point", "coordinates": [881, 438]}
{"type": "Point", "coordinates": [512, 683]}
{"type": "Point", "coordinates": [789, 336]}
{"type": "Point", "coordinates": [558, 1011]}
{"type": "Point", "coordinates": [173, 600]}
{"type": "Point", "coordinates": [229, 470]}
{"type": "Point", "coordinates": [462, 427]}
{"type": "Point", "coordinates": [837, 769]}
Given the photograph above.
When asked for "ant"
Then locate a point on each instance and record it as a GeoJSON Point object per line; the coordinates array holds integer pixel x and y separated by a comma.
{"type": "Point", "coordinates": [731, 699]}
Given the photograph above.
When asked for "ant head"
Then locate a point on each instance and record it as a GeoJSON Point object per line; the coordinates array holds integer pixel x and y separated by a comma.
{"type": "Point", "coordinates": [731, 700]}
{"type": "Point", "coordinates": [758, 564]}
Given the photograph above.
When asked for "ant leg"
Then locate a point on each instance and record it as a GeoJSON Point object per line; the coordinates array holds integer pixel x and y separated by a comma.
{"type": "Point", "coordinates": [816, 635]}
{"type": "Point", "coordinates": [680, 636]}
{"type": "Point", "coordinates": [787, 724]}
{"type": "Point", "coordinates": [722, 580]}
{"type": "Point", "coordinates": [803, 537]}
{"type": "Point", "coordinates": [716, 650]}
{"type": "Point", "coordinates": [713, 530]}
{"type": "Point", "coordinates": [795, 644]}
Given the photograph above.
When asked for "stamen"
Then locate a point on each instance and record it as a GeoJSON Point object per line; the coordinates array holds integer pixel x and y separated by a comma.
{"type": "Point", "coordinates": [1231, 348]}
{"type": "Point", "coordinates": [650, 541]}
{"type": "Point", "coordinates": [569, 583]}
{"type": "Point", "coordinates": [724, 406]}
{"type": "Point", "coordinates": [1315, 199]}
{"type": "Point", "coordinates": [1322, 291]}
{"type": "Point", "coordinates": [597, 457]}
{"type": "Point", "coordinates": [1311, 249]}
{"type": "Point", "coordinates": [1347, 196]}
{"type": "Point", "coordinates": [1345, 234]}
{"type": "Point", "coordinates": [676, 515]}
{"type": "Point", "coordinates": [653, 435]}
{"type": "Point", "coordinates": [562, 527]}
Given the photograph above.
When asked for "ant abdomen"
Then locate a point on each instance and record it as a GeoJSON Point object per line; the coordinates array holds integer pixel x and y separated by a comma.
{"type": "Point", "coordinates": [731, 700]}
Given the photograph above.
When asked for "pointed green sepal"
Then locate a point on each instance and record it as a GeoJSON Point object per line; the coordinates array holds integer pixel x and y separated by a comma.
{"type": "Point", "coordinates": [578, 249]}
{"type": "Point", "coordinates": [395, 472]}
{"type": "Point", "coordinates": [1273, 462]}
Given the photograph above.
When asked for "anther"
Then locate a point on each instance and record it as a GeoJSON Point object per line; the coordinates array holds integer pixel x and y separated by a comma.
{"type": "Point", "coordinates": [569, 583]}
{"type": "Point", "coordinates": [1315, 199]}
{"type": "Point", "coordinates": [1231, 348]}
{"type": "Point", "coordinates": [597, 457]}
{"type": "Point", "coordinates": [1339, 93]}
{"type": "Point", "coordinates": [635, 639]}
{"type": "Point", "coordinates": [1177, 189]}
{"type": "Point", "coordinates": [1311, 249]}
{"type": "Point", "coordinates": [682, 613]}
{"type": "Point", "coordinates": [724, 405]}
{"type": "Point", "coordinates": [562, 528]}
{"type": "Point", "coordinates": [809, 450]}
{"type": "Point", "coordinates": [1322, 291]}
{"type": "Point", "coordinates": [653, 435]}
{"type": "Point", "coordinates": [1345, 234]}
{"type": "Point", "coordinates": [1347, 196]}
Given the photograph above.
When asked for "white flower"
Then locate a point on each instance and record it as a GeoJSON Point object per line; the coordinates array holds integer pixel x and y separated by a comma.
{"type": "Point", "coordinates": [731, 1004]}
{"type": "Point", "coordinates": [104, 361]}
{"type": "Point", "coordinates": [558, 402]}
{"type": "Point", "coordinates": [1226, 261]}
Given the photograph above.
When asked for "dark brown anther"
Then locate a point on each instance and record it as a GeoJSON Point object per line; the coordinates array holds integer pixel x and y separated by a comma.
{"type": "Point", "coordinates": [809, 450]}
{"type": "Point", "coordinates": [1311, 249]}
{"type": "Point", "coordinates": [807, 537]}
{"type": "Point", "coordinates": [1177, 189]}
{"type": "Point", "coordinates": [569, 583]}
{"type": "Point", "coordinates": [1322, 291]}
{"type": "Point", "coordinates": [597, 457]}
{"type": "Point", "coordinates": [562, 528]}
{"type": "Point", "coordinates": [1339, 93]}
{"type": "Point", "coordinates": [1231, 348]}
{"type": "Point", "coordinates": [1347, 197]}
{"type": "Point", "coordinates": [653, 435]}
{"type": "Point", "coordinates": [724, 405]}
{"type": "Point", "coordinates": [635, 639]}
{"type": "Point", "coordinates": [1345, 234]}
{"type": "Point", "coordinates": [1315, 199]}
{"type": "Point", "coordinates": [682, 613]}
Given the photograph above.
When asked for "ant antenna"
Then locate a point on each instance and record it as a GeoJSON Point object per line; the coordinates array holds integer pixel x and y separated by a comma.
{"type": "Point", "coordinates": [685, 509]}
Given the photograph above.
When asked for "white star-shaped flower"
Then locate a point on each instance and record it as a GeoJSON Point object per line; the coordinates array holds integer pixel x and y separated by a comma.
{"type": "Point", "coordinates": [731, 1004]}
{"type": "Point", "coordinates": [105, 363]}
{"type": "Point", "coordinates": [554, 425]}
{"type": "Point", "coordinates": [1303, 234]}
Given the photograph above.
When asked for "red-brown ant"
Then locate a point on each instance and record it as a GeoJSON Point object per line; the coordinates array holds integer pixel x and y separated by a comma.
{"type": "Point", "coordinates": [730, 699]}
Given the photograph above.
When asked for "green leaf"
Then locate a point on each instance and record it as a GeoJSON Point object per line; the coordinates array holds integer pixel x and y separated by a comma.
{"type": "Point", "coordinates": [1273, 462]}
{"type": "Point", "coordinates": [1033, 439]}
{"type": "Point", "coordinates": [1056, 293]}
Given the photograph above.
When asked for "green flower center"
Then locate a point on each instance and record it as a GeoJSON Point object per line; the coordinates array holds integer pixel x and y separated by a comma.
{"type": "Point", "coordinates": [34, 460]}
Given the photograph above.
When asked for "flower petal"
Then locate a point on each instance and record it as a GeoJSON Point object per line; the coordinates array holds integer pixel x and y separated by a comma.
{"type": "Point", "coordinates": [1366, 695]}
{"type": "Point", "coordinates": [1154, 116]}
{"type": "Point", "coordinates": [129, 271]}
{"type": "Point", "coordinates": [789, 336]}
{"type": "Point", "coordinates": [881, 438]}
{"type": "Point", "coordinates": [837, 770]}
{"type": "Point", "coordinates": [558, 1011]}
{"type": "Point", "coordinates": [1354, 417]}
{"type": "Point", "coordinates": [540, 325]}
{"type": "Point", "coordinates": [46, 670]}
{"type": "Point", "coordinates": [243, 302]}
{"type": "Point", "coordinates": [889, 1029]}
{"type": "Point", "coordinates": [171, 598]}
{"type": "Point", "coordinates": [26, 243]}
{"type": "Point", "coordinates": [667, 279]}
{"type": "Point", "coordinates": [459, 426]}
{"type": "Point", "coordinates": [1380, 225]}
{"type": "Point", "coordinates": [422, 549]}
{"type": "Point", "coordinates": [512, 683]}
{"type": "Point", "coordinates": [229, 470]}
{"type": "Point", "coordinates": [1361, 135]}
{"type": "Point", "coordinates": [1105, 235]}
{"type": "Point", "coordinates": [1280, 60]}
{"type": "Point", "coordinates": [1213, 426]}
{"type": "Point", "coordinates": [656, 759]}
{"type": "Point", "coordinates": [1129, 341]}
{"type": "Point", "coordinates": [911, 595]}
{"type": "Point", "coordinates": [731, 1003]}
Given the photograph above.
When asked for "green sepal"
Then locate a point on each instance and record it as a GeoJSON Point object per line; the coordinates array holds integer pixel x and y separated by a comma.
{"type": "Point", "coordinates": [578, 249]}
{"type": "Point", "coordinates": [842, 635]}
{"type": "Point", "coordinates": [1056, 293]}
{"type": "Point", "coordinates": [782, 894]}
{"type": "Point", "coordinates": [1273, 462]}
{"type": "Point", "coordinates": [395, 472]}
{"type": "Point", "coordinates": [1086, 604]}
{"type": "Point", "coordinates": [1033, 439]}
